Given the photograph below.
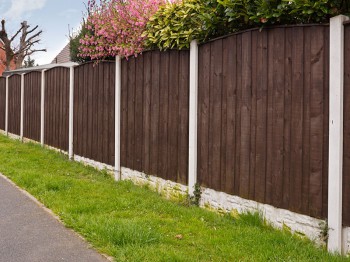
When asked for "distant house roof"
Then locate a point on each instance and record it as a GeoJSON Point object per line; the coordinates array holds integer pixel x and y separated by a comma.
{"type": "Point", "coordinates": [63, 56]}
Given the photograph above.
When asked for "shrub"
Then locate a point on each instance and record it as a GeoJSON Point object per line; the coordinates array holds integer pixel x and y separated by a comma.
{"type": "Point", "coordinates": [115, 27]}
{"type": "Point", "coordinates": [175, 25]}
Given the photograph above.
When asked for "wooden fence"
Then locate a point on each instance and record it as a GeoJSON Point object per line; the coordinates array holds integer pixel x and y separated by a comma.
{"type": "Point", "coordinates": [32, 106]}
{"type": "Point", "coordinates": [263, 117]}
{"type": "Point", "coordinates": [2, 102]}
{"type": "Point", "coordinates": [154, 126]}
{"type": "Point", "coordinates": [14, 104]}
{"type": "Point", "coordinates": [94, 87]}
{"type": "Point", "coordinates": [263, 99]}
{"type": "Point", "coordinates": [57, 107]}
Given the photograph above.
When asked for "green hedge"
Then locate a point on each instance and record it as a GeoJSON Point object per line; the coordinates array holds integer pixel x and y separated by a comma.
{"type": "Point", "coordinates": [175, 25]}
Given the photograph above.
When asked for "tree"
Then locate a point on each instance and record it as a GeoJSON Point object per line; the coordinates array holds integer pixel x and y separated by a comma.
{"type": "Point", "coordinates": [25, 47]}
{"type": "Point", "coordinates": [29, 62]}
{"type": "Point", "coordinates": [74, 43]}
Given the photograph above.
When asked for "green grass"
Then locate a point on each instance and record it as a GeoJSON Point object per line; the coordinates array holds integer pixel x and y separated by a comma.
{"type": "Point", "coordinates": [132, 223]}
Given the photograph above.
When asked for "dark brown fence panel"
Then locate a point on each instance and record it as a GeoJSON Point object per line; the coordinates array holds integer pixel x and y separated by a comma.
{"type": "Point", "coordinates": [32, 106]}
{"type": "Point", "coordinates": [346, 159]}
{"type": "Point", "coordinates": [2, 102]}
{"type": "Point", "coordinates": [14, 104]}
{"type": "Point", "coordinates": [94, 107]}
{"type": "Point", "coordinates": [263, 117]}
{"type": "Point", "coordinates": [154, 128]}
{"type": "Point", "coordinates": [57, 108]}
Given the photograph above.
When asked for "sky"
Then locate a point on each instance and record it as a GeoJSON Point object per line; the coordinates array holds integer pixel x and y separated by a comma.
{"type": "Point", "coordinates": [54, 17]}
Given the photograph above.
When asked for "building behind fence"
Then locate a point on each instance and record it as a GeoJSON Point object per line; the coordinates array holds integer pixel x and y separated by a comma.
{"type": "Point", "coordinates": [262, 117]}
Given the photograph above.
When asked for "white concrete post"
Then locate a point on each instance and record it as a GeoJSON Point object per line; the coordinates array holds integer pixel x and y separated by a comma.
{"type": "Point", "coordinates": [22, 108]}
{"type": "Point", "coordinates": [71, 105]}
{"type": "Point", "coordinates": [192, 147]}
{"type": "Point", "coordinates": [335, 171]}
{"type": "Point", "coordinates": [118, 87]}
{"type": "Point", "coordinates": [42, 105]}
{"type": "Point", "coordinates": [7, 107]}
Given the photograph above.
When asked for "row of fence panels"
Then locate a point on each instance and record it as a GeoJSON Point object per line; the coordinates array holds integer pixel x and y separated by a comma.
{"type": "Point", "coordinates": [263, 99]}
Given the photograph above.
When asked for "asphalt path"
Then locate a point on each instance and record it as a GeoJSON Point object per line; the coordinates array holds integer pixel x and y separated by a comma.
{"type": "Point", "coordinates": [29, 233]}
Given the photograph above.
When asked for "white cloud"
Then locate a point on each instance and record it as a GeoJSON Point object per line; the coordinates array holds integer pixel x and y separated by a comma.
{"type": "Point", "coordinates": [21, 7]}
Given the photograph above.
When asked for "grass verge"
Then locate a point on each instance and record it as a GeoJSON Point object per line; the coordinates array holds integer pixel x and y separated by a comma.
{"type": "Point", "coordinates": [131, 223]}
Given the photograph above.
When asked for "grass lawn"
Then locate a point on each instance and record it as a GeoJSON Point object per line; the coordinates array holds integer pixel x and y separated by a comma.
{"type": "Point", "coordinates": [132, 223]}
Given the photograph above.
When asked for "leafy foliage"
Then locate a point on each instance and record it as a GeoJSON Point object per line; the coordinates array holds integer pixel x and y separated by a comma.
{"type": "Point", "coordinates": [29, 62]}
{"type": "Point", "coordinates": [74, 43]}
{"type": "Point", "coordinates": [176, 25]}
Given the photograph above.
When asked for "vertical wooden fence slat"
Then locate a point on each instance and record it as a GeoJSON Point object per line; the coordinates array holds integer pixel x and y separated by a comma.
{"type": "Point", "coordinates": [154, 113]}
{"type": "Point", "coordinates": [2, 102]}
{"type": "Point", "coordinates": [215, 113]}
{"type": "Point", "coordinates": [173, 127]}
{"type": "Point", "coordinates": [139, 113]}
{"type": "Point", "coordinates": [288, 78]}
{"type": "Point", "coordinates": [203, 114]}
{"type": "Point", "coordinates": [131, 113]}
{"type": "Point", "coordinates": [229, 80]}
{"type": "Point", "coordinates": [278, 116]}
{"type": "Point", "coordinates": [124, 114]}
{"type": "Point", "coordinates": [346, 158]}
{"type": "Point", "coordinates": [306, 122]}
{"type": "Point", "coordinates": [316, 121]}
{"type": "Point", "coordinates": [147, 85]}
{"type": "Point", "coordinates": [261, 108]}
{"type": "Point", "coordinates": [325, 123]}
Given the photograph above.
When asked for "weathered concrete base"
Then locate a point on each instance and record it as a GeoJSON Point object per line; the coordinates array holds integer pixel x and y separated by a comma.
{"type": "Point", "coordinates": [277, 217]}
{"type": "Point", "coordinates": [166, 188]}
{"type": "Point", "coordinates": [13, 136]}
{"type": "Point", "coordinates": [346, 240]}
{"type": "Point", "coordinates": [93, 163]}
{"type": "Point", "coordinates": [56, 149]}
{"type": "Point", "coordinates": [27, 140]}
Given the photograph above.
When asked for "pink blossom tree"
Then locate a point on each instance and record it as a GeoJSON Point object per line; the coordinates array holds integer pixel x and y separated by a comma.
{"type": "Point", "coordinates": [115, 27]}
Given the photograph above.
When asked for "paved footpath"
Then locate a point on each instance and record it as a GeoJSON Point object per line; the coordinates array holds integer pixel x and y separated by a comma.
{"type": "Point", "coordinates": [29, 233]}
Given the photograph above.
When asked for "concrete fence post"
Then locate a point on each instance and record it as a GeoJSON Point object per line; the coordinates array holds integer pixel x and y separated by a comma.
{"type": "Point", "coordinates": [7, 107]}
{"type": "Point", "coordinates": [42, 110]}
{"type": "Point", "coordinates": [71, 112]}
{"type": "Point", "coordinates": [335, 171]}
{"type": "Point", "coordinates": [118, 87]}
{"type": "Point", "coordinates": [193, 109]}
{"type": "Point", "coordinates": [22, 108]}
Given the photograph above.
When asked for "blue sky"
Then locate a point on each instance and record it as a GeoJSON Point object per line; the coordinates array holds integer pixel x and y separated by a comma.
{"type": "Point", "coordinates": [54, 17]}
